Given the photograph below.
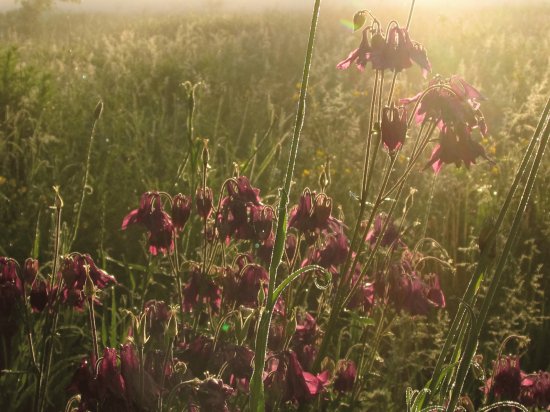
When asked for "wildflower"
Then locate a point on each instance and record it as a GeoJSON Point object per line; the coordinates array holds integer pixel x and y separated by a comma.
{"type": "Point", "coordinates": [181, 210]}
{"type": "Point", "coordinates": [345, 375]}
{"type": "Point", "coordinates": [358, 55]}
{"type": "Point", "coordinates": [363, 298]}
{"type": "Point", "coordinates": [158, 315]}
{"type": "Point", "coordinates": [313, 214]}
{"type": "Point", "coordinates": [241, 214]}
{"type": "Point", "coordinates": [408, 291]}
{"type": "Point", "coordinates": [40, 295]}
{"type": "Point", "coordinates": [394, 127]}
{"type": "Point", "coordinates": [212, 395]}
{"type": "Point", "coordinates": [198, 353]}
{"type": "Point", "coordinates": [204, 200]}
{"type": "Point", "coordinates": [447, 108]}
{"type": "Point", "coordinates": [289, 379]}
{"type": "Point", "coordinates": [73, 270]}
{"type": "Point", "coordinates": [389, 238]}
{"type": "Point", "coordinates": [110, 383]}
{"type": "Point", "coordinates": [535, 390]}
{"type": "Point", "coordinates": [30, 270]}
{"type": "Point", "coordinates": [129, 369]}
{"type": "Point", "coordinates": [158, 223]}
{"type": "Point", "coordinates": [200, 288]}
{"type": "Point", "coordinates": [506, 380]}
{"type": "Point", "coordinates": [397, 52]}
{"type": "Point", "coordinates": [455, 146]}
{"type": "Point", "coordinates": [245, 284]}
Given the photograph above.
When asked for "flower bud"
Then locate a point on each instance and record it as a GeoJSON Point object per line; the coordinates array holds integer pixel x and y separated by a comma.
{"type": "Point", "coordinates": [30, 269]}
{"type": "Point", "coordinates": [181, 210]}
{"type": "Point", "coordinates": [204, 201]}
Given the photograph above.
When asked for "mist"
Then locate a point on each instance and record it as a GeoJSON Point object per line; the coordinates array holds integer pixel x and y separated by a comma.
{"type": "Point", "coordinates": [124, 6]}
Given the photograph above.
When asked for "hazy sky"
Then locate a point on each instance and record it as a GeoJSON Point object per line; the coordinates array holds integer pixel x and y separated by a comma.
{"type": "Point", "coordinates": [179, 5]}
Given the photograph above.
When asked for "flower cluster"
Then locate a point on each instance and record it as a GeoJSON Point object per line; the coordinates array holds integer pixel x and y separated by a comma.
{"type": "Point", "coordinates": [454, 105]}
{"type": "Point", "coordinates": [395, 52]}
{"type": "Point", "coordinates": [160, 225]}
{"type": "Point", "coordinates": [509, 382]}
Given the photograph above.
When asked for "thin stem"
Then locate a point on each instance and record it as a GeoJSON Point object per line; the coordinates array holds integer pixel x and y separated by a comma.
{"type": "Point", "coordinates": [93, 327]}
{"type": "Point", "coordinates": [471, 344]}
{"type": "Point", "coordinates": [257, 403]}
{"type": "Point", "coordinates": [84, 185]}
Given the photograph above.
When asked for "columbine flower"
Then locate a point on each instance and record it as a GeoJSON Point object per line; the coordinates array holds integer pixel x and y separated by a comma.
{"type": "Point", "coordinates": [159, 224]}
{"type": "Point", "coordinates": [241, 214]}
{"type": "Point", "coordinates": [389, 238]}
{"type": "Point", "coordinates": [30, 270]}
{"type": "Point", "coordinates": [397, 52]}
{"type": "Point", "coordinates": [313, 214]}
{"type": "Point", "coordinates": [506, 381]}
{"type": "Point", "coordinates": [394, 127]}
{"type": "Point", "coordinates": [40, 295]}
{"type": "Point", "coordinates": [408, 291]}
{"type": "Point", "coordinates": [345, 375]}
{"type": "Point", "coordinates": [181, 210]}
{"type": "Point", "coordinates": [289, 379]}
{"type": "Point", "coordinates": [73, 270]}
{"type": "Point", "coordinates": [158, 315]}
{"type": "Point", "coordinates": [535, 390]}
{"type": "Point", "coordinates": [245, 283]}
{"type": "Point", "coordinates": [204, 200]}
{"type": "Point", "coordinates": [202, 289]}
{"type": "Point", "coordinates": [456, 146]}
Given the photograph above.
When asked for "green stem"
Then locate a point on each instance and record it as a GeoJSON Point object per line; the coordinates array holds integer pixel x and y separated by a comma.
{"type": "Point", "coordinates": [257, 403]}
{"type": "Point", "coordinates": [473, 285]}
{"type": "Point", "coordinates": [84, 185]}
{"type": "Point", "coordinates": [472, 340]}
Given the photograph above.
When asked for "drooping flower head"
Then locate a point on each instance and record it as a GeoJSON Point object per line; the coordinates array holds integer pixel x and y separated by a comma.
{"type": "Point", "coordinates": [393, 129]}
{"type": "Point", "coordinates": [241, 214]}
{"type": "Point", "coordinates": [345, 375]}
{"type": "Point", "coordinates": [74, 269]}
{"type": "Point", "coordinates": [181, 210]}
{"type": "Point", "coordinates": [395, 52]}
{"type": "Point", "coordinates": [158, 223]}
{"type": "Point", "coordinates": [506, 381]}
{"type": "Point", "coordinates": [313, 214]}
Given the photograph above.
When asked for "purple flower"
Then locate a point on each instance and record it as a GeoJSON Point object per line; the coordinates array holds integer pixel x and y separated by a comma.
{"type": "Point", "coordinates": [181, 210]}
{"type": "Point", "coordinates": [158, 223]}
{"type": "Point", "coordinates": [200, 288]}
{"type": "Point", "coordinates": [244, 284]}
{"type": "Point", "coordinates": [241, 214]}
{"type": "Point", "coordinates": [40, 295]}
{"type": "Point", "coordinates": [73, 271]}
{"type": "Point", "coordinates": [313, 214]}
{"type": "Point", "coordinates": [507, 379]}
{"type": "Point", "coordinates": [292, 383]}
{"type": "Point", "coordinates": [204, 199]}
{"type": "Point", "coordinates": [345, 375]}
{"type": "Point", "coordinates": [456, 146]}
{"type": "Point", "coordinates": [408, 291]}
{"type": "Point", "coordinates": [389, 238]}
{"type": "Point", "coordinates": [394, 127]}
{"type": "Point", "coordinates": [158, 315]}
{"type": "Point", "coordinates": [460, 108]}
{"type": "Point", "coordinates": [397, 52]}
{"type": "Point", "coordinates": [535, 390]}
{"type": "Point", "coordinates": [30, 270]}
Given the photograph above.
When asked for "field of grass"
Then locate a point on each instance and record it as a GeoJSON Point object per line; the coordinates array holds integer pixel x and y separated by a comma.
{"type": "Point", "coordinates": [166, 82]}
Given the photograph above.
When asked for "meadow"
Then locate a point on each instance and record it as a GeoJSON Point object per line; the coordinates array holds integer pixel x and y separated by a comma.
{"type": "Point", "coordinates": [114, 110]}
